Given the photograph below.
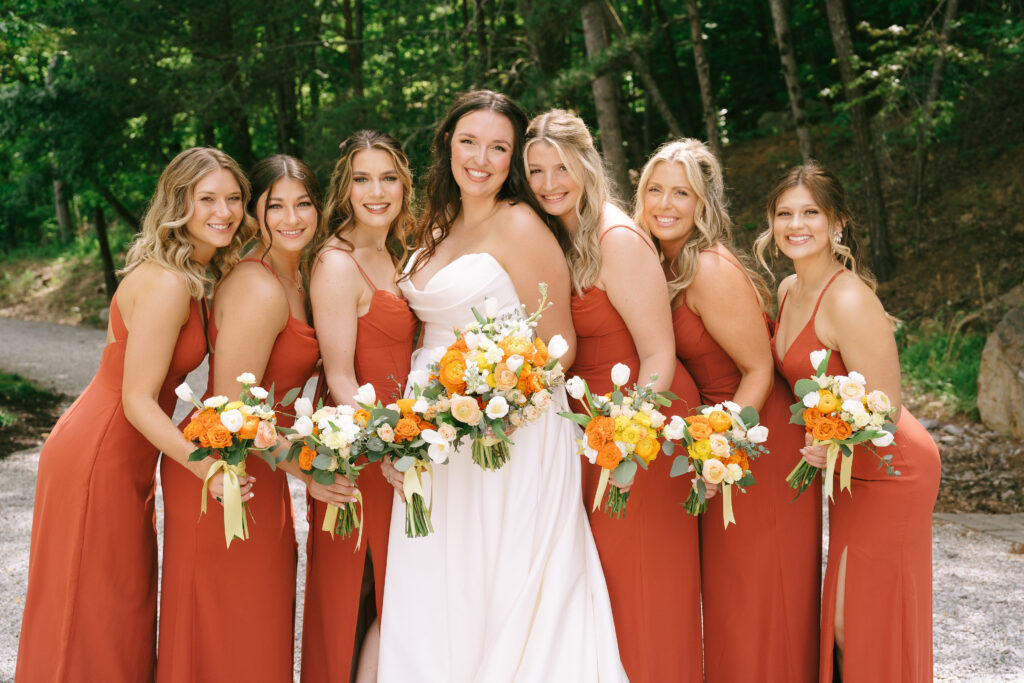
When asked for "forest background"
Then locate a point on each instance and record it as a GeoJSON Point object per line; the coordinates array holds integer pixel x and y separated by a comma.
{"type": "Point", "coordinates": [917, 104]}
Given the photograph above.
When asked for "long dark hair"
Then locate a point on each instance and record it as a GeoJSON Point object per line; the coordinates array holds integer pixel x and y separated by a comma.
{"type": "Point", "coordinates": [266, 173]}
{"type": "Point", "coordinates": [443, 194]}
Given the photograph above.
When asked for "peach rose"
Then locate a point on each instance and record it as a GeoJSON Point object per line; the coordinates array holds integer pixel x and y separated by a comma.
{"type": "Point", "coordinates": [249, 426]}
{"type": "Point", "coordinates": [879, 402]}
{"type": "Point", "coordinates": [466, 410]}
{"type": "Point", "coordinates": [719, 445]}
{"type": "Point", "coordinates": [266, 435]}
{"type": "Point", "coordinates": [504, 378]}
{"type": "Point", "coordinates": [713, 471]}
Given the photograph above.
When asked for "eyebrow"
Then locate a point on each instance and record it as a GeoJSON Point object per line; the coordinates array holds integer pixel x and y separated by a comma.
{"type": "Point", "coordinates": [388, 172]}
{"type": "Point", "coordinates": [280, 199]}
{"type": "Point", "coordinates": [503, 142]}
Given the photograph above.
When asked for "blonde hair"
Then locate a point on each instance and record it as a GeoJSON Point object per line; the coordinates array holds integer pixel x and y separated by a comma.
{"type": "Point", "coordinates": [569, 136]}
{"type": "Point", "coordinates": [712, 224]}
{"type": "Point", "coordinates": [828, 193]}
{"type": "Point", "coordinates": [163, 238]}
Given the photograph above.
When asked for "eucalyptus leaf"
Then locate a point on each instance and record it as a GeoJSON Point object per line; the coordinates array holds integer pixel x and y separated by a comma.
{"type": "Point", "coordinates": [404, 463]}
{"type": "Point", "coordinates": [322, 462]}
{"type": "Point", "coordinates": [625, 471]}
{"type": "Point", "coordinates": [805, 386]}
{"type": "Point", "coordinates": [290, 397]}
{"type": "Point", "coordinates": [680, 466]}
{"type": "Point", "coordinates": [323, 477]}
{"type": "Point", "coordinates": [749, 416]}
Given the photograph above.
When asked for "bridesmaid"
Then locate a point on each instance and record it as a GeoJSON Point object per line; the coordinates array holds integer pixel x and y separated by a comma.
{"type": "Point", "coordinates": [876, 620]}
{"type": "Point", "coordinates": [259, 325]}
{"type": "Point", "coordinates": [90, 613]}
{"type": "Point", "coordinates": [620, 310]}
{"type": "Point", "coordinates": [366, 333]}
{"type": "Point", "coordinates": [776, 544]}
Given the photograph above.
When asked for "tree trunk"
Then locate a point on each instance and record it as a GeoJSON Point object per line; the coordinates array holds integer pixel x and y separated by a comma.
{"type": "Point", "coordinates": [640, 67]}
{"type": "Point", "coordinates": [689, 129]}
{"type": "Point", "coordinates": [65, 226]}
{"type": "Point", "coordinates": [605, 97]}
{"type": "Point", "coordinates": [780, 18]}
{"type": "Point", "coordinates": [707, 95]}
{"type": "Point", "coordinates": [126, 215]}
{"type": "Point", "coordinates": [925, 126]}
{"type": "Point", "coordinates": [109, 277]}
{"type": "Point", "coordinates": [480, 24]}
{"type": "Point", "coordinates": [878, 230]}
{"type": "Point", "coordinates": [354, 43]}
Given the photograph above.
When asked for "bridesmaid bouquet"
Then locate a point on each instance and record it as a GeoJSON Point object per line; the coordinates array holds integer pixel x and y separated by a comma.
{"type": "Point", "coordinates": [323, 441]}
{"type": "Point", "coordinates": [839, 412]}
{"type": "Point", "coordinates": [231, 431]}
{"type": "Point", "coordinates": [402, 431]}
{"type": "Point", "coordinates": [621, 431]}
{"type": "Point", "coordinates": [720, 443]}
{"type": "Point", "coordinates": [494, 378]}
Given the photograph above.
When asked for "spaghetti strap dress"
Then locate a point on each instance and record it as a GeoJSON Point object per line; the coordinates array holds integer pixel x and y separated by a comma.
{"type": "Point", "coordinates": [90, 612]}
{"type": "Point", "coordinates": [227, 614]}
{"type": "Point", "coordinates": [885, 525]}
{"type": "Point", "coordinates": [650, 556]}
{"type": "Point", "coordinates": [345, 586]}
{"type": "Point", "coordinates": [775, 543]}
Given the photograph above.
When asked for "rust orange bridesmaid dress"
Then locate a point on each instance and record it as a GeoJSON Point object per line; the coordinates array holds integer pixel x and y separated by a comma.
{"type": "Point", "coordinates": [345, 586]}
{"type": "Point", "coordinates": [90, 613]}
{"type": "Point", "coordinates": [650, 556]}
{"type": "Point", "coordinates": [227, 614]}
{"type": "Point", "coordinates": [761, 576]}
{"type": "Point", "coordinates": [886, 528]}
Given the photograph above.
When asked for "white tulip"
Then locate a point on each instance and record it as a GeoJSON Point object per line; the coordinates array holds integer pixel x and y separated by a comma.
{"type": "Point", "coordinates": [418, 378]}
{"type": "Point", "coordinates": [259, 393]}
{"type": "Point", "coordinates": [490, 307]}
{"type": "Point", "coordinates": [303, 407]}
{"type": "Point", "coordinates": [674, 430]}
{"type": "Point", "coordinates": [620, 374]}
{"type": "Point", "coordinates": [215, 401]}
{"type": "Point", "coordinates": [575, 387]}
{"type": "Point", "coordinates": [757, 434]}
{"type": "Point", "coordinates": [366, 395]}
{"type": "Point", "coordinates": [515, 362]}
{"type": "Point", "coordinates": [557, 346]}
{"type": "Point", "coordinates": [884, 440]}
{"type": "Point", "coordinates": [729, 405]}
{"type": "Point", "coordinates": [496, 408]}
{"type": "Point", "coordinates": [810, 399]}
{"type": "Point", "coordinates": [817, 357]}
{"type": "Point", "coordinates": [303, 426]}
{"type": "Point", "coordinates": [232, 419]}
{"type": "Point", "coordinates": [184, 392]}
{"type": "Point", "coordinates": [857, 377]}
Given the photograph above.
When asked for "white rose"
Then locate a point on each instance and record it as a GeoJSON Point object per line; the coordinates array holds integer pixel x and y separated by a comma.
{"type": "Point", "coordinates": [657, 419]}
{"type": "Point", "coordinates": [335, 440]}
{"type": "Point", "coordinates": [418, 378]}
{"type": "Point", "coordinates": [446, 432]}
{"type": "Point", "coordinates": [884, 440]}
{"type": "Point", "coordinates": [472, 340]}
{"type": "Point", "coordinates": [589, 452]}
{"type": "Point", "coordinates": [246, 378]}
{"type": "Point", "coordinates": [420, 406]}
{"type": "Point", "coordinates": [857, 377]}
{"type": "Point", "coordinates": [184, 392]}
{"type": "Point", "coordinates": [574, 387]}
{"type": "Point", "coordinates": [514, 362]}
{"type": "Point", "coordinates": [810, 399]}
{"type": "Point", "coordinates": [515, 419]}
{"type": "Point", "coordinates": [258, 393]}
{"type": "Point", "coordinates": [490, 307]}
{"type": "Point", "coordinates": [729, 405]}
{"type": "Point", "coordinates": [719, 445]}
{"type": "Point", "coordinates": [303, 426]}
{"type": "Point", "coordinates": [366, 395]}
{"type": "Point", "coordinates": [303, 407]}
{"type": "Point", "coordinates": [674, 430]}
{"type": "Point", "coordinates": [542, 399]}
{"type": "Point", "coordinates": [850, 390]}
{"type": "Point", "coordinates": [620, 374]}
{"type": "Point", "coordinates": [757, 434]}
{"type": "Point", "coordinates": [733, 473]}
{"type": "Point", "coordinates": [713, 471]}
{"type": "Point", "coordinates": [817, 357]}
{"type": "Point", "coordinates": [879, 402]}
{"type": "Point", "coordinates": [861, 420]}
{"type": "Point", "coordinates": [215, 401]}
{"type": "Point", "coordinates": [557, 346]}
{"type": "Point", "coordinates": [232, 419]}
{"type": "Point", "coordinates": [496, 408]}
{"type": "Point", "coordinates": [530, 413]}
{"type": "Point", "coordinates": [854, 407]}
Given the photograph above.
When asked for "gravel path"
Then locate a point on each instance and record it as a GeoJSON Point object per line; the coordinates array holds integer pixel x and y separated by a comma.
{"type": "Point", "coordinates": [979, 579]}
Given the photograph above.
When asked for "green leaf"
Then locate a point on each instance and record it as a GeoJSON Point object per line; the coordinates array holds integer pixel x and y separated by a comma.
{"type": "Point", "coordinates": [805, 386]}
{"type": "Point", "coordinates": [617, 397]}
{"type": "Point", "coordinates": [702, 491]}
{"type": "Point", "coordinates": [479, 318]}
{"type": "Point", "coordinates": [640, 461]}
{"type": "Point", "coordinates": [404, 463]}
{"type": "Point", "coordinates": [680, 466]}
{"type": "Point", "coordinates": [749, 416]}
{"type": "Point", "coordinates": [582, 420]}
{"type": "Point", "coordinates": [291, 396]}
{"type": "Point", "coordinates": [198, 454]}
{"type": "Point", "coordinates": [668, 447]}
{"type": "Point", "coordinates": [823, 365]}
{"type": "Point", "coordinates": [268, 458]}
{"type": "Point", "coordinates": [270, 395]}
{"type": "Point", "coordinates": [323, 477]}
{"type": "Point", "coordinates": [670, 395]}
{"type": "Point", "coordinates": [321, 461]}
{"type": "Point", "coordinates": [747, 479]}
{"type": "Point", "coordinates": [624, 472]}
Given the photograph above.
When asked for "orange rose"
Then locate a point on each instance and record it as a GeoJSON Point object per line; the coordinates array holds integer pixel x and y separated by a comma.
{"type": "Point", "coordinates": [194, 429]}
{"type": "Point", "coordinates": [249, 427]}
{"type": "Point", "coordinates": [600, 431]}
{"type": "Point", "coordinates": [812, 415]}
{"type": "Point", "coordinates": [306, 456]}
{"type": "Point", "coordinates": [361, 417]}
{"type": "Point", "coordinates": [515, 346]}
{"type": "Point", "coordinates": [407, 429]}
{"type": "Point", "coordinates": [459, 345]}
{"type": "Point", "coordinates": [504, 378]}
{"type": "Point", "coordinates": [424, 425]}
{"type": "Point", "coordinates": [699, 426]}
{"type": "Point", "coordinates": [843, 430]}
{"type": "Point", "coordinates": [609, 456]}
{"type": "Point", "coordinates": [824, 430]}
{"type": "Point", "coordinates": [538, 356]}
{"type": "Point", "coordinates": [452, 374]}
{"type": "Point", "coordinates": [719, 420]}
{"type": "Point", "coordinates": [219, 436]}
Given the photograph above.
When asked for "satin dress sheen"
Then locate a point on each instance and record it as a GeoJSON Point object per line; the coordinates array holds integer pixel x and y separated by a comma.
{"type": "Point", "coordinates": [335, 569]}
{"type": "Point", "coordinates": [650, 556]}
{"type": "Point", "coordinates": [886, 528]}
{"type": "Point", "coordinates": [90, 613]}
{"type": "Point", "coordinates": [227, 614]}
{"type": "Point", "coordinates": [761, 575]}
{"type": "Point", "coordinates": [509, 586]}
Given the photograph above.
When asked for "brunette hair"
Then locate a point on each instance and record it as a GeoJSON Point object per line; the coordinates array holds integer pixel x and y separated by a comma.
{"type": "Point", "coordinates": [830, 196]}
{"type": "Point", "coordinates": [443, 194]}
{"type": "Point", "coordinates": [712, 224]}
{"type": "Point", "coordinates": [163, 237]}
{"type": "Point", "coordinates": [568, 134]}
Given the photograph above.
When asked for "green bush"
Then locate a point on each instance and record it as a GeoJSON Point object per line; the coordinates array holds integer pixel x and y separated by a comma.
{"type": "Point", "coordinates": [940, 359]}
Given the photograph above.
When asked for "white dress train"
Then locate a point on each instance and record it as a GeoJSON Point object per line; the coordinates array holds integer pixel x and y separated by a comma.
{"type": "Point", "coordinates": [509, 586]}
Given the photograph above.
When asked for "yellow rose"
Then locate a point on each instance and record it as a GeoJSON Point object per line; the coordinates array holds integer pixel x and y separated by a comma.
{"type": "Point", "coordinates": [827, 402]}
{"type": "Point", "coordinates": [700, 450]}
{"type": "Point", "coordinates": [719, 420]}
{"type": "Point", "coordinates": [642, 419]}
{"type": "Point", "coordinates": [647, 449]}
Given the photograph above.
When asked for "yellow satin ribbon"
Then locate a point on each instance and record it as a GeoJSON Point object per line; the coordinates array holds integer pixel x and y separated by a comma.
{"type": "Point", "coordinates": [602, 484]}
{"type": "Point", "coordinates": [235, 524]}
{"type": "Point", "coordinates": [331, 518]}
{"type": "Point", "coordinates": [727, 516]}
{"type": "Point", "coordinates": [845, 473]}
{"type": "Point", "coordinates": [830, 467]}
{"type": "Point", "coordinates": [412, 483]}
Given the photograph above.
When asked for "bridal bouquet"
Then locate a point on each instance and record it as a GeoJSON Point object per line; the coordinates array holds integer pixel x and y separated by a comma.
{"type": "Point", "coordinates": [323, 440]}
{"type": "Point", "coordinates": [403, 432]}
{"type": "Point", "coordinates": [721, 440]}
{"type": "Point", "coordinates": [495, 377]}
{"type": "Point", "coordinates": [839, 412]}
{"type": "Point", "coordinates": [231, 431]}
{"type": "Point", "coordinates": [621, 431]}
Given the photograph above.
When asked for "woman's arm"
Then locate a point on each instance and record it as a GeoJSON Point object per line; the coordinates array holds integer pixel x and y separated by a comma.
{"type": "Point", "coordinates": [723, 297]}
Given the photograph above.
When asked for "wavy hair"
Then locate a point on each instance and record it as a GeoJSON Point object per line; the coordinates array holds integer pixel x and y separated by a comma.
{"type": "Point", "coordinates": [569, 136]}
{"type": "Point", "coordinates": [830, 196]}
{"type": "Point", "coordinates": [443, 194]}
{"type": "Point", "coordinates": [712, 224]}
{"type": "Point", "coordinates": [163, 237]}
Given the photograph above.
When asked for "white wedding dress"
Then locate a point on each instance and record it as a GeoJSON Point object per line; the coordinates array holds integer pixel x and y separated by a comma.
{"type": "Point", "coordinates": [509, 586]}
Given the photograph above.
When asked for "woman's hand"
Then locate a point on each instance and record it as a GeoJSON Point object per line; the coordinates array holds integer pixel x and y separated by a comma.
{"type": "Point", "coordinates": [394, 477]}
{"type": "Point", "coordinates": [710, 490]}
{"type": "Point", "coordinates": [339, 493]}
{"type": "Point", "coordinates": [216, 488]}
{"type": "Point", "coordinates": [815, 456]}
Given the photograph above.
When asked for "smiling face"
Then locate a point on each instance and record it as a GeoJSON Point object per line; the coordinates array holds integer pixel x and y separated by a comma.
{"type": "Point", "coordinates": [481, 147]}
{"type": "Point", "coordinates": [669, 202]}
{"type": "Point", "coordinates": [377, 190]}
{"type": "Point", "coordinates": [217, 211]}
{"type": "Point", "coordinates": [287, 215]}
{"type": "Point", "coordinates": [551, 182]}
{"type": "Point", "coordinates": [800, 226]}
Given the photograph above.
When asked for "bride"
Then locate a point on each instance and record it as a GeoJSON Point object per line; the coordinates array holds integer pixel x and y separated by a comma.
{"type": "Point", "coordinates": [509, 586]}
